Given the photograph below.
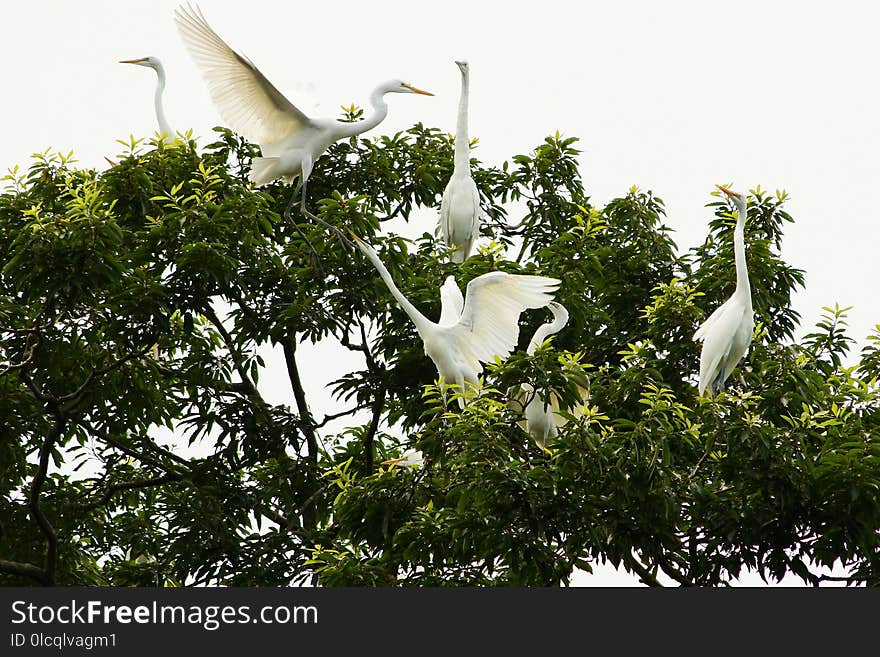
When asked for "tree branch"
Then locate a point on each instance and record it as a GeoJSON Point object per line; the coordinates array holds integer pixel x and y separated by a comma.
{"type": "Point", "coordinates": [336, 416]}
{"type": "Point", "coordinates": [644, 574]}
{"type": "Point", "coordinates": [233, 351]}
{"type": "Point", "coordinates": [127, 485]}
{"type": "Point", "coordinates": [378, 406]}
{"type": "Point", "coordinates": [308, 424]}
{"type": "Point", "coordinates": [22, 569]}
{"type": "Point", "coordinates": [34, 499]}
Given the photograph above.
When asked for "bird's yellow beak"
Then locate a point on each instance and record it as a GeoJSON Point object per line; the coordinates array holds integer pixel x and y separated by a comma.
{"type": "Point", "coordinates": [417, 91]}
{"type": "Point", "coordinates": [353, 234]}
{"type": "Point", "coordinates": [391, 461]}
{"type": "Point", "coordinates": [726, 191]}
{"type": "Point", "coordinates": [132, 61]}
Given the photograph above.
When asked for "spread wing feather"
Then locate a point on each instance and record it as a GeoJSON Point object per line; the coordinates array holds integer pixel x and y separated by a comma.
{"type": "Point", "coordinates": [489, 324]}
{"type": "Point", "coordinates": [247, 101]}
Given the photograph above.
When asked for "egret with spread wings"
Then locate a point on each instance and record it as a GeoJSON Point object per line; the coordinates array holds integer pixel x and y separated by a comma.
{"type": "Point", "coordinates": [166, 131]}
{"type": "Point", "coordinates": [252, 106]}
{"type": "Point", "coordinates": [727, 333]}
{"type": "Point", "coordinates": [460, 206]}
{"type": "Point", "coordinates": [474, 329]}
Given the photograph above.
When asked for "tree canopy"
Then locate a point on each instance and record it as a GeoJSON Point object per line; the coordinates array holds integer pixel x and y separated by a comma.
{"type": "Point", "coordinates": [134, 300]}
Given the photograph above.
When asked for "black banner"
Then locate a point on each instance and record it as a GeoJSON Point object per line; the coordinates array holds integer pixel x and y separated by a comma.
{"type": "Point", "coordinates": [228, 621]}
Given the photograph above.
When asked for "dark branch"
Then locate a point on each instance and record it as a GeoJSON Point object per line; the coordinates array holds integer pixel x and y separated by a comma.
{"type": "Point", "coordinates": [127, 485]}
{"type": "Point", "coordinates": [23, 570]}
{"type": "Point", "coordinates": [336, 416]}
{"type": "Point", "coordinates": [644, 574]}
{"type": "Point", "coordinates": [34, 499]}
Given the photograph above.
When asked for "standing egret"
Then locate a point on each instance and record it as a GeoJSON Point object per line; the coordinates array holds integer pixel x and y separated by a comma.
{"type": "Point", "coordinates": [460, 206]}
{"type": "Point", "coordinates": [475, 328]}
{"type": "Point", "coordinates": [542, 417]}
{"type": "Point", "coordinates": [252, 106]}
{"type": "Point", "coordinates": [167, 132]}
{"type": "Point", "coordinates": [727, 332]}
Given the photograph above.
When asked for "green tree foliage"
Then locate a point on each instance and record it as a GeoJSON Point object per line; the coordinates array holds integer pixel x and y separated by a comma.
{"type": "Point", "coordinates": [133, 302]}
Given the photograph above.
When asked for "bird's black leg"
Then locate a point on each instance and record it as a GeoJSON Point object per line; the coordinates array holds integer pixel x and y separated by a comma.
{"type": "Point", "coordinates": [316, 260]}
{"type": "Point", "coordinates": [343, 240]}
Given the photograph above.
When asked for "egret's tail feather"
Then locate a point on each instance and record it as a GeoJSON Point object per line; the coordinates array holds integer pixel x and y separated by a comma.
{"type": "Point", "coordinates": [263, 170]}
{"type": "Point", "coordinates": [458, 255]}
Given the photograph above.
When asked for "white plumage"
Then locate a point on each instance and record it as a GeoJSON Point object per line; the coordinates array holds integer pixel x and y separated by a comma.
{"type": "Point", "coordinates": [460, 205]}
{"type": "Point", "coordinates": [486, 325]}
{"type": "Point", "coordinates": [542, 418]}
{"type": "Point", "coordinates": [166, 131]}
{"type": "Point", "coordinates": [727, 332]}
{"type": "Point", "coordinates": [251, 105]}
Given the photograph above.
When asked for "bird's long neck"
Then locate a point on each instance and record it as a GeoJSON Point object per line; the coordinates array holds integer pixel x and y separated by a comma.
{"type": "Point", "coordinates": [164, 126]}
{"type": "Point", "coordinates": [560, 319]}
{"type": "Point", "coordinates": [544, 331]}
{"type": "Point", "coordinates": [380, 111]}
{"type": "Point", "coordinates": [739, 253]}
{"type": "Point", "coordinates": [422, 323]}
{"type": "Point", "coordinates": [462, 143]}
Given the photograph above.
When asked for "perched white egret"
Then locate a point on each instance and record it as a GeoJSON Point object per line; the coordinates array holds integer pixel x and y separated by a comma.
{"type": "Point", "coordinates": [251, 105]}
{"type": "Point", "coordinates": [410, 458]}
{"type": "Point", "coordinates": [155, 63]}
{"type": "Point", "coordinates": [460, 206]}
{"type": "Point", "coordinates": [727, 332]}
{"type": "Point", "coordinates": [475, 328]}
{"type": "Point", "coordinates": [542, 418]}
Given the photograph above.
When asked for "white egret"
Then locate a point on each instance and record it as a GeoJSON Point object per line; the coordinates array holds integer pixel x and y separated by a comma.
{"type": "Point", "coordinates": [727, 332]}
{"type": "Point", "coordinates": [410, 458]}
{"type": "Point", "coordinates": [167, 132]}
{"type": "Point", "coordinates": [472, 329]}
{"type": "Point", "coordinates": [251, 105]}
{"type": "Point", "coordinates": [460, 206]}
{"type": "Point", "coordinates": [542, 417]}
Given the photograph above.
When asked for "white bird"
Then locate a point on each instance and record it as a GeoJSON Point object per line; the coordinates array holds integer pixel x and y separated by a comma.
{"type": "Point", "coordinates": [167, 132]}
{"type": "Point", "coordinates": [253, 107]}
{"type": "Point", "coordinates": [542, 416]}
{"type": "Point", "coordinates": [460, 206]}
{"type": "Point", "coordinates": [410, 458]}
{"type": "Point", "coordinates": [472, 329]}
{"type": "Point", "coordinates": [727, 332]}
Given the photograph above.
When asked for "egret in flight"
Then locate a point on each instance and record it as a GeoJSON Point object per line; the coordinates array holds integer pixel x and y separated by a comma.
{"type": "Point", "coordinates": [167, 132]}
{"type": "Point", "coordinates": [727, 332]}
{"type": "Point", "coordinates": [251, 105]}
{"type": "Point", "coordinates": [542, 417]}
{"type": "Point", "coordinates": [472, 329]}
{"type": "Point", "coordinates": [460, 206]}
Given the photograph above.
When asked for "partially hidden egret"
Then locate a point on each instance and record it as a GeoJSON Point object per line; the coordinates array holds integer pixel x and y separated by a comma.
{"type": "Point", "coordinates": [727, 332]}
{"type": "Point", "coordinates": [412, 458]}
{"type": "Point", "coordinates": [542, 417]}
{"type": "Point", "coordinates": [167, 132]}
{"type": "Point", "coordinates": [289, 140]}
{"type": "Point", "coordinates": [475, 328]}
{"type": "Point", "coordinates": [460, 206]}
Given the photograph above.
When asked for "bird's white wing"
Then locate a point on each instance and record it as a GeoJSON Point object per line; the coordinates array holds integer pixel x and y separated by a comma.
{"type": "Point", "coordinates": [710, 321]}
{"type": "Point", "coordinates": [474, 195]}
{"type": "Point", "coordinates": [247, 101]}
{"type": "Point", "coordinates": [489, 324]}
{"type": "Point", "coordinates": [717, 342]}
{"type": "Point", "coordinates": [451, 302]}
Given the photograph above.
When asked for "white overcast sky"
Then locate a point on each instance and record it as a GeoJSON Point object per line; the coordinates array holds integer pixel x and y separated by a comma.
{"type": "Point", "coordinates": [669, 96]}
